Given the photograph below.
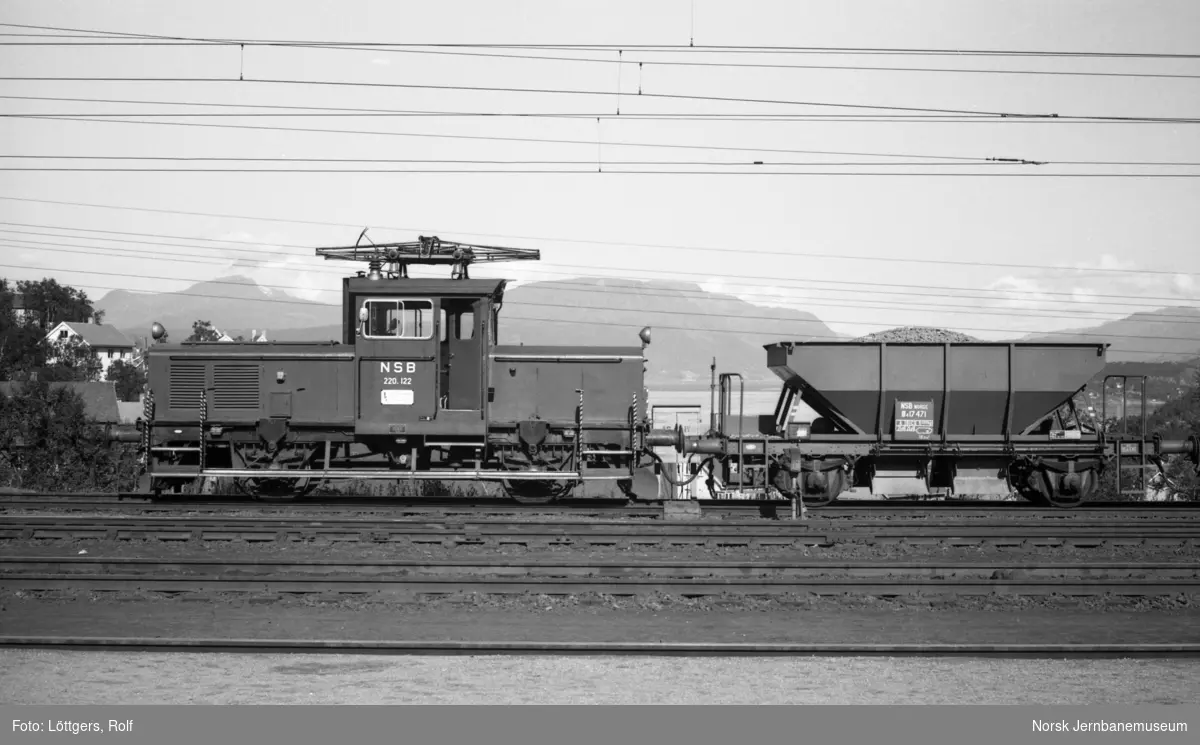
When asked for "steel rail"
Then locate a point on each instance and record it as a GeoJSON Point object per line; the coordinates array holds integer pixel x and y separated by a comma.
{"type": "Point", "coordinates": [559, 567]}
{"type": "Point", "coordinates": [596, 508]}
{"type": "Point", "coordinates": [556, 577]}
{"type": "Point", "coordinates": [850, 506]}
{"type": "Point", "coordinates": [417, 586]}
{"type": "Point", "coordinates": [656, 649]}
{"type": "Point", "coordinates": [598, 532]}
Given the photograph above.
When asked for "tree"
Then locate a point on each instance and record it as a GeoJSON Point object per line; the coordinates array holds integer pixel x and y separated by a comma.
{"type": "Point", "coordinates": [48, 303]}
{"type": "Point", "coordinates": [203, 331]}
{"type": "Point", "coordinates": [71, 360]}
{"type": "Point", "coordinates": [129, 379]}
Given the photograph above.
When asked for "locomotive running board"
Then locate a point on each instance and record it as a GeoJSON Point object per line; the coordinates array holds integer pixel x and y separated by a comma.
{"type": "Point", "coordinates": [390, 474]}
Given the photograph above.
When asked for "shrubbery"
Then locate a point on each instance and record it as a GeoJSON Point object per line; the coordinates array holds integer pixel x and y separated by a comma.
{"type": "Point", "coordinates": [47, 443]}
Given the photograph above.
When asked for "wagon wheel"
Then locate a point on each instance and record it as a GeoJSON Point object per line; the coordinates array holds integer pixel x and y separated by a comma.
{"type": "Point", "coordinates": [536, 492]}
{"type": "Point", "coordinates": [818, 500]}
{"type": "Point", "coordinates": [1050, 489]}
{"type": "Point", "coordinates": [836, 484]}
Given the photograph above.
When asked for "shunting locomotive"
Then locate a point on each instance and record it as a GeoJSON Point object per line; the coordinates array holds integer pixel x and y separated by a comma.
{"type": "Point", "coordinates": [418, 388]}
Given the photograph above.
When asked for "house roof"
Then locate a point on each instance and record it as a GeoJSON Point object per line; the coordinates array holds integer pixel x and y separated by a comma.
{"type": "Point", "coordinates": [99, 336]}
{"type": "Point", "coordinates": [99, 399]}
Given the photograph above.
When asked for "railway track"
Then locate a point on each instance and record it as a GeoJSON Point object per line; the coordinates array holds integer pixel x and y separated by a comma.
{"type": "Point", "coordinates": [472, 531]}
{"type": "Point", "coordinates": [575, 509]}
{"type": "Point", "coordinates": [413, 579]}
{"type": "Point", "coordinates": [658, 649]}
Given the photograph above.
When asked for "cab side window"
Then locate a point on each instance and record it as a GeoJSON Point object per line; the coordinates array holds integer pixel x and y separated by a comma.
{"type": "Point", "coordinates": [399, 319]}
{"type": "Point", "coordinates": [466, 325]}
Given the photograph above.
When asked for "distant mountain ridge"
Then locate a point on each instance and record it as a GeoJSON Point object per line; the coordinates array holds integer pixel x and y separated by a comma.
{"type": "Point", "coordinates": [691, 325]}
{"type": "Point", "coordinates": [233, 304]}
{"type": "Point", "coordinates": [1166, 334]}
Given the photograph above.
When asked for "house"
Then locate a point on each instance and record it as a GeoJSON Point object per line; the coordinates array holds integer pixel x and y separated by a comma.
{"type": "Point", "coordinates": [99, 399]}
{"type": "Point", "coordinates": [20, 307]}
{"type": "Point", "coordinates": [109, 344]}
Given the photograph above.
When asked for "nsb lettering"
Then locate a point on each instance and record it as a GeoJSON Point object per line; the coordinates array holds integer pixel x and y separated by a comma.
{"type": "Point", "coordinates": [398, 367]}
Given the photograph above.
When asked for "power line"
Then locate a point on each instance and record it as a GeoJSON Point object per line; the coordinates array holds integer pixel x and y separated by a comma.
{"type": "Point", "coordinates": [959, 161]}
{"type": "Point", "coordinates": [93, 33]}
{"type": "Point", "coordinates": [590, 307]}
{"type": "Point", "coordinates": [740, 250]}
{"type": "Point", "coordinates": [633, 325]}
{"type": "Point", "coordinates": [1098, 316]}
{"type": "Point", "coordinates": [600, 172]}
{"type": "Point", "coordinates": [596, 60]}
{"type": "Point", "coordinates": [542, 239]}
{"type": "Point", "coordinates": [335, 111]}
{"type": "Point", "coordinates": [641, 292]}
{"type": "Point", "coordinates": [543, 140]}
{"type": "Point", "coordinates": [536, 140]}
{"type": "Point", "coordinates": [539, 91]}
{"type": "Point", "coordinates": [585, 92]}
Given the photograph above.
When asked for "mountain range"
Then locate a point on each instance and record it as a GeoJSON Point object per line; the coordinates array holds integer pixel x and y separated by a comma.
{"type": "Point", "coordinates": [690, 325]}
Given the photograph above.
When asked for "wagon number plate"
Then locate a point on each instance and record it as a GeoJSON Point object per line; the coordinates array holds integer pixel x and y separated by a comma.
{"type": "Point", "coordinates": [914, 420]}
{"type": "Point", "coordinates": [396, 396]}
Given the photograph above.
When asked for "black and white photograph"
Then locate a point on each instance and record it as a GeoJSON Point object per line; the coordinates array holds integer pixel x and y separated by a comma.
{"type": "Point", "coordinates": [603, 352]}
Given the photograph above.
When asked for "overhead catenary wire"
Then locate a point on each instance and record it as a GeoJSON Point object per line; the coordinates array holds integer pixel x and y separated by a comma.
{"type": "Point", "coordinates": [92, 33]}
{"type": "Point", "coordinates": [538, 91]}
{"type": "Point", "coordinates": [620, 172]}
{"type": "Point", "coordinates": [91, 43]}
{"type": "Point", "coordinates": [540, 140]}
{"type": "Point", "coordinates": [957, 161]}
{"type": "Point", "coordinates": [643, 292]}
{"type": "Point", "coordinates": [633, 244]}
{"type": "Point", "coordinates": [281, 110]}
{"type": "Point", "coordinates": [687, 313]}
{"type": "Point", "coordinates": [759, 172]}
{"type": "Point", "coordinates": [588, 92]}
{"type": "Point", "coordinates": [1164, 164]}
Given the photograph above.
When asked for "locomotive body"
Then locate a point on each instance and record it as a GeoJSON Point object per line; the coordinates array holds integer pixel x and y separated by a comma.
{"type": "Point", "coordinates": [416, 388]}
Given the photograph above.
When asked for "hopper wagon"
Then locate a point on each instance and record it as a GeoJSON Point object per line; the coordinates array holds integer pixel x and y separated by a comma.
{"type": "Point", "coordinates": [920, 419]}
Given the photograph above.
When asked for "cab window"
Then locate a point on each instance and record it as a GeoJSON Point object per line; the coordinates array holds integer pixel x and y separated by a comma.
{"type": "Point", "coordinates": [399, 319]}
{"type": "Point", "coordinates": [466, 325]}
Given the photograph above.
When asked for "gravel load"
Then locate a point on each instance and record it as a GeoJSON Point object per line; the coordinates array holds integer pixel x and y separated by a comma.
{"type": "Point", "coordinates": [924, 334]}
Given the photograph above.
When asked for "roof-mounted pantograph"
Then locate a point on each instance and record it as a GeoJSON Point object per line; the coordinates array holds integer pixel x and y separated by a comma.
{"type": "Point", "coordinates": [427, 251]}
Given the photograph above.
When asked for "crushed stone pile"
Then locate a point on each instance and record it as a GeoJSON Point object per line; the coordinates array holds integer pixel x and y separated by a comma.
{"type": "Point", "coordinates": [925, 334]}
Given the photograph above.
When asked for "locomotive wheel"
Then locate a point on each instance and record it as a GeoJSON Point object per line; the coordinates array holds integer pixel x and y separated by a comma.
{"type": "Point", "coordinates": [536, 492]}
{"type": "Point", "coordinates": [276, 490]}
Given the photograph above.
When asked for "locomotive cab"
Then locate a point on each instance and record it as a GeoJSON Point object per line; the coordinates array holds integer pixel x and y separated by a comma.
{"type": "Point", "coordinates": [420, 347]}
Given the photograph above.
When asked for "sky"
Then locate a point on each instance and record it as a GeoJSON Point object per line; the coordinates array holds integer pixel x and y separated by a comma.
{"type": "Point", "coordinates": [990, 255]}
